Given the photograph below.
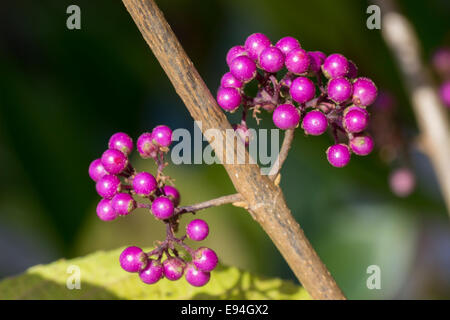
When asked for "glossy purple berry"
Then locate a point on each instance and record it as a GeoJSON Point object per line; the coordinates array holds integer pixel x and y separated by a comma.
{"type": "Point", "coordinates": [108, 186]}
{"type": "Point", "coordinates": [229, 99]}
{"type": "Point", "coordinates": [205, 259]}
{"type": "Point", "coordinates": [162, 135]}
{"type": "Point", "coordinates": [271, 59]}
{"type": "Point", "coordinates": [364, 92]}
{"type": "Point", "coordinates": [173, 268]}
{"type": "Point", "coordinates": [316, 59]}
{"type": "Point", "coordinates": [197, 230]}
{"type": "Point", "coordinates": [173, 194]}
{"type": "Point", "coordinates": [335, 65]}
{"type": "Point", "coordinates": [339, 89]}
{"type": "Point", "coordinates": [235, 52]}
{"type": "Point", "coordinates": [286, 116]}
{"type": "Point", "coordinates": [444, 93]}
{"type": "Point", "coordinates": [122, 142]}
{"type": "Point", "coordinates": [287, 44]}
{"type": "Point", "coordinates": [144, 184]}
{"type": "Point", "coordinates": [145, 146]}
{"type": "Point", "coordinates": [230, 81]}
{"type": "Point", "coordinates": [196, 277]}
{"type": "Point", "coordinates": [133, 259]}
{"type": "Point", "coordinates": [352, 70]}
{"type": "Point", "coordinates": [243, 68]}
{"type": "Point", "coordinates": [338, 155]}
{"type": "Point", "coordinates": [315, 123]}
{"type": "Point", "coordinates": [255, 44]}
{"type": "Point", "coordinates": [114, 161]}
{"type": "Point", "coordinates": [162, 208]}
{"type": "Point", "coordinates": [361, 145]}
{"type": "Point", "coordinates": [302, 90]}
{"type": "Point", "coordinates": [123, 203]}
{"type": "Point", "coordinates": [96, 170]}
{"type": "Point", "coordinates": [105, 210]}
{"type": "Point", "coordinates": [297, 61]}
{"type": "Point", "coordinates": [152, 273]}
{"type": "Point", "coordinates": [355, 119]}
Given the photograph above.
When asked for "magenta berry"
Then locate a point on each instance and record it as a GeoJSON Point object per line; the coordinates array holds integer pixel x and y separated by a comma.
{"type": "Point", "coordinates": [243, 68]}
{"type": "Point", "coordinates": [162, 208]}
{"type": "Point", "coordinates": [145, 146]}
{"type": "Point", "coordinates": [338, 155]}
{"type": "Point", "coordinates": [229, 99]}
{"type": "Point", "coordinates": [355, 119]}
{"type": "Point", "coordinates": [205, 259]}
{"type": "Point", "coordinates": [302, 90]}
{"type": "Point", "coordinates": [105, 210]}
{"type": "Point", "coordinates": [152, 273]}
{"type": "Point", "coordinates": [96, 170]}
{"type": "Point", "coordinates": [123, 203]}
{"type": "Point", "coordinates": [315, 123]}
{"type": "Point", "coordinates": [162, 135]}
{"type": "Point", "coordinates": [133, 259]}
{"type": "Point", "coordinates": [114, 161]}
{"type": "Point", "coordinates": [444, 93]}
{"type": "Point", "coordinates": [335, 65]}
{"type": "Point", "coordinates": [271, 59]}
{"type": "Point", "coordinates": [235, 52]}
{"type": "Point", "coordinates": [361, 145]}
{"type": "Point", "coordinates": [196, 277]}
{"type": "Point", "coordinates": [173, 194]}
{"type": "Point", "coordinates": [339, 89]}
{"type": "Point", "coordinates": [173, 268]}
{"type": "Point", "coordinates": [108, 186]}
{"type": "Point", "coordinates": [197, 230]}
{"type": "Point", "coordinates": [316, 59]}
{"type": "Point", "coordinates": [286, 116]}
{"type": "Point", "coordinates": [230, 81]}
{"type": "Point", "coordinates": [122, 142]}
{"type": "Point", "coordinates": [364, 92]}
{"type": "Point", "coordinates": [287, 44]}
{"type": "Point", "coordinates": [255, 44]}
{"type": "Point", "coordinates": [352, 70]}
{"type": "Point", "coordinates": [144, 184]}
{"type": "Point", "coordinates": [297, 61]}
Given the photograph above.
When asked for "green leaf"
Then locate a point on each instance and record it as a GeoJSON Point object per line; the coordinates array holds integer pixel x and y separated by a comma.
{"type": "Point", "coordinates": [102, 278]}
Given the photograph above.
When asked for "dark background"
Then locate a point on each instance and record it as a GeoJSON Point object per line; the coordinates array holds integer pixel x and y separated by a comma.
{"type": "Point", "coordinates": [64, 92]}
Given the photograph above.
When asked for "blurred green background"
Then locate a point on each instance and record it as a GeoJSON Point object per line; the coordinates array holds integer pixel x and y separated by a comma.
{"type": "Point", "coordinates": [63, 93]}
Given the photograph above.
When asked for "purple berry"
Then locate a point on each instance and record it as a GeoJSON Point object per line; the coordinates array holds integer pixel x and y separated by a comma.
{"type": "Point", "coordinates": [338, 155]}
{"type": "Point", "coordinates": [243, 68]}
{"type": "Point", "coordinates": [173, 194]}
{"type": "Point", "coordinates": [302, 89]}
{"type": "Point", "coordinates": [162, 208]}
{"type": "Point", "coordinates": [229, 99]}
{"type": "Point", "coordinates": [286, 116]}
{"type": "Point", "coordinates": [441, 60]}
{"type": "Point", "coordinates": [205, 259]}
{"type": "Point", "coordinates": [352, 70]}
{"type": "Point", "coordinates": [235, 52]}
{"type": "Point", "coordinates": [197, 230]}
{"type": "Point", "coordinates": [402, 182]}
{"type": "Point", "coordinates": [145, 146]}
{"type": "Point", "coordinates": [297, 61]}
{"type": "Point", "coordinates": [444, 93]}
{"type": "Point", "coordinates": [96, 170]}
{"type": "Point", "coordinates": [335, 65]}
{"type": "Point", "coordinates": [133, 259]}
{"type": "Point", "coordinates": [173, 268]}
{"type": "Point", "coordinates": [230, 81]}
{"type": "Point", "coordinates": [162, 135]}
{"type": "Point", "coordinates": [196, 277]}
{"type": "Point", "coordinates": [361, 145]}
{"type": "Point", "coordinates": [287, 44]}
{"type": "Point", "coordinates": [108, 186]}
{"type": "Point", "coordinates": [271, 59]}
{"type": "Point", "coordinates": [114, 161]}
{"type": "Point", "coordinates": [364, 92]}
{"type": "Point", "coordinates": [255, 44]}
{"type": "Point", "coordinates": [355, 119]}
{"type": "Point", "coordinates": [316, 59]}
{"type": "Point", "coordinates": [152, 273]}
{"type": "Point", "coordinates": [315, 123]}
{"type": "Point", "coordinates": [339, 89]}
{"type": "Point", "coordinates": [123, 203]}
{"type": "Point", "coordinates": [105, 210]}
{"type": "Point", "coordinates": [144, 184]}
{"type": "Point", "coordinates": [122, 142]}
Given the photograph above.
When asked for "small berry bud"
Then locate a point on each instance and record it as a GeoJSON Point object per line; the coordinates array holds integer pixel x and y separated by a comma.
{"type": "Point", "coordinates": [255, 44]}
{"type": "Point", "coordinates": [286, 116]}
{"type": "Point", "coordinates": [96, 170]}
{"type": "Point", "coordinates": [271, 59]}
{"type": "Point", "coordinates": [162, 208]}
{"type": "Point", "coordinates": [302, 89]}
{"type": "Point", "coordinates": [196, 277]}
{"type": "Point", "coordinates": [338, 155]}
{"type": "Point", "coordinates": [114, 161]}
{"type": "Point", "coordinates": [173, 194]}
{"type": "Point", "coordinates": [243, 68]}
{"type": "Point", "coordinates": [162, 135]}
{"type": "Point", "coordinates": [364, 92]}
{"type": "Point", "coordinates": [361, 145]}
{"type": "Point", "coordinates": [335, 65]}
{"type": "Point", "coordinates": [197, 230]}
{"type": "Point", "coordinates": [123, 203]}
{"type": "Point", "coordinates": [315, 123]}
{"type": "Point", "coordinates": [105, 210]}
{"type": "Point", "coordinates": [287, 44]}
{"type": "Point", "coordinates": [205, 259]}
{"type": "Point", "coordinates": [145, 146]}
{"type": "Point", "coordinates": [122, 142]}
{"type": "Point", "coordinates": [152, 273]}
{"type": "Point", "coordinates": [133, 259]}
{"type": "Point", "coordinates": [144, 184]}
{"type": "Point", "coordinates": [108, 186]}
{"type": "Point", "coordinates": [297, 61]}
{"type": "Point", "coordinates": [173, 268]}
{"type": "Point", "coordinates": [229, 99]}
{"type": "Point", "coordinates": [339, 89]}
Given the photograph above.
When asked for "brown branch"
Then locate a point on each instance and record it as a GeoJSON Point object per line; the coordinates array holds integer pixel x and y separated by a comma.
{"type": "Point", "coordinates": [431, 116]}
{"type": "Point", "coordinates": [265, 200]}
{"type": "Point", "coordinates": [284, 151]}
{"type": "Point", "coordinates": [232, 198]}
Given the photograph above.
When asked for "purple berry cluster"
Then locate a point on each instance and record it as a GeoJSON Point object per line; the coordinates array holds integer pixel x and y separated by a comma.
{"type": "Point", "coordinates": [300, 87]}
{"type": "Point", "coordinates": [120, 186]}
{"type": "Point", "coordinates": [441, 64]}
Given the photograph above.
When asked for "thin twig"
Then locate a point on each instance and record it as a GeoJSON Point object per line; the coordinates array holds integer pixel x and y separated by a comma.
{"type": "Point", "coordinates": [210, 203]}
{"type": "Point", "coordinates": [287, 142]}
